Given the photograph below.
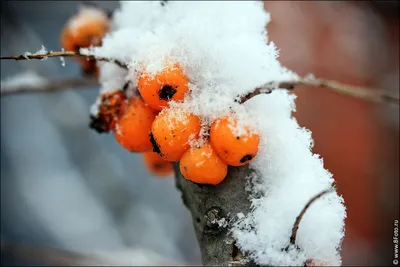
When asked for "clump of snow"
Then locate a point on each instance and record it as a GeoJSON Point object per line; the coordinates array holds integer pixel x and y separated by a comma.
{"type": "Point", "coordinates": [223, 49]}
{"type": "Point", "coordinates": [42, 50]}
{"type": "Point", "coordinates": [27, 54]}
{"type": "Point", "coordinates": [62, 59]}
{"type": "Point", "coordinates": [290, 176]}
{"type": "Point", "coordinates": [28, 78]}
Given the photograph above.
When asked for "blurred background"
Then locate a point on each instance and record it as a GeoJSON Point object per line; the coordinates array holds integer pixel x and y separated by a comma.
{"type": "Point", "coordinates": [66, 187]}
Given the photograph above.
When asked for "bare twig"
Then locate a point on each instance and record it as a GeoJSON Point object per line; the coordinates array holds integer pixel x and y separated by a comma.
{"type": "Point", "coordinates": [350, 90]}
{"type": "Point", "coordinates": [298, 219]}
{"type": "Point", "coordinates": [64, 54]}
{"type": "Point", "coordinates": [50, 86]}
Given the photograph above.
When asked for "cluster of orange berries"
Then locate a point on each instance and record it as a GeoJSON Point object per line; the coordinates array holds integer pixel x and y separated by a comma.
{"type": "Point", "coordinates": [145, 123]}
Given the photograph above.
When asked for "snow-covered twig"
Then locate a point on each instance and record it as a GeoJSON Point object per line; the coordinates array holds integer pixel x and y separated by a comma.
{"type": "Point", "coordinates": [48, 86]}
{"type": "Point", "coordinates": [64, 54]}
{"type": "Point", "coordinates": [303, 211]}
{"type": "Point", "coordinates": [350, 90]}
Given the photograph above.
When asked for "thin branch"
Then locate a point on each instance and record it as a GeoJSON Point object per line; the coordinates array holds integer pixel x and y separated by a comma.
{"type": "Point", "coordinates": [350, 90]}
{"type": "Point", "coordinates": [49, 86]}
{"type": "Point", "coordinates": [298, 219]}
{"type": "Point", "coordinates": [28, 56]}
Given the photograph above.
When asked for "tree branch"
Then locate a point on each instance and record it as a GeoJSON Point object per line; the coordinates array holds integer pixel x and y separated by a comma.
{"type": "Point", "coordinates": [213, 210]}
{"type": "Point", "coordinates": [350, 90]}
{"type": "Point", "coordinates": [303, 211]}
{"type": "Point", "coordinates": [42, 56]}
{"type": "Point", "coordinates": [49, 86]}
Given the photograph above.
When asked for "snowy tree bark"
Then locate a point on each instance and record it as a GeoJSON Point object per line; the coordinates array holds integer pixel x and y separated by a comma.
{"type": "Point", "coordinates": [213, 210]}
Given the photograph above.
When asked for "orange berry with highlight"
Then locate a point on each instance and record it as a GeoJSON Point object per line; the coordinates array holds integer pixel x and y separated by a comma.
{"type": "Point", "coordinates": [172, 131]}
{"type": "Point", "coordinates": [133, 127]}
{"type": "Point", "coordinates": [87, 28]}
{"type": "Point", "coordinates": [203, 166]}
{"type": "Point", "coordinates": [169, 84]}
{"type": "Point", "coordinates": [235, 149]}
{"type": "Point", "coordinates": [156, 164]}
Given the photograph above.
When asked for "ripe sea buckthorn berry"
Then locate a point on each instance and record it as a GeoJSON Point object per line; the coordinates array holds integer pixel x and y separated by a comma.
{"type": "Point", "coordinates": [89, 68]}
{"type": "Point", "coordinates": [86, 28]}
{"type": "Point", "coordinates": [111, 107]}
{"type": "Point", "coordinates": [132, 128]}
{"type": "Point", "coordinates": [235, 149]}
{"type": "Point", "coordinates": [156, 164]}
{"type": "Point", "coordinates": [169, 84]}
{"type": "Point", "coordinates": [171, 132]}
{"type": "Point", "coordinates": [203, 166]}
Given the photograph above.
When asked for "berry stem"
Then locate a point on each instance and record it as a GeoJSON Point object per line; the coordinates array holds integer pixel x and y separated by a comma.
{"type": "Point", "coordinates": [350, 90]}
{"type": "Point", "coordinates": [64, 54]}
{"type": "Point", "coordinates": [300, 216]}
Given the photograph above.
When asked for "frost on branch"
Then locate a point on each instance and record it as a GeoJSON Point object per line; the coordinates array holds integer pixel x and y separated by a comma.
{"type": "Point", "coordinates": [223, 49]}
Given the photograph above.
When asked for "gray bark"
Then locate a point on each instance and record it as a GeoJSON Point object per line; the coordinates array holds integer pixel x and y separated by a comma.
{"type": "Point", "coordinates": [208, 204]}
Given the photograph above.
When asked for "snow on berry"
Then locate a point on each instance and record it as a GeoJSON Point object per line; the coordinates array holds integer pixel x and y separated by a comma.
{"type": "Point", "coordinates": [223, 49]}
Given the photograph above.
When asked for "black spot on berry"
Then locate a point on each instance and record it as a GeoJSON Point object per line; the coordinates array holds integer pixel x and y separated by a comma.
{"type": "Point", "coordinates": [166, 92]}
{"type": "Point", "coordinates": [156, 147]}
{"type": "Point", "coordinates": [237, 137]}
{"type": "Point", "coordinates": [246, 158]}
{"type": "Point", "coordinates": [98, 124]}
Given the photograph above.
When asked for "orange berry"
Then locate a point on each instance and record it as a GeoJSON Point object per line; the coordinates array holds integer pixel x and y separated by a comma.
{"type": "Point", "coordinates": [156, 164]}
{"type": "Point", "coordinates": [86, 28]}
{"type": "Point", "coordinates": [203, 166]}
{"type": "Point", "coordinates": [233, 148]}
{"type": "Point", "coordinates": [111, 107]}
{"type": "Point", "coordinates": [89, 68]}
{"type": "Point", "coordinates": [133, 127]}
{"type": "Point", "coordinates": [169, 84]}
{"type": "Point", "coordinates": [171, 131]}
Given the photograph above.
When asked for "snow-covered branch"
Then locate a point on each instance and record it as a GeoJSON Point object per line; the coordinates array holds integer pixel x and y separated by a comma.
{"type": "Point", "coordinates": [298, 219]}
{"type": "Point", "coordinates": [345, 89]}
{"type": "Point", "coordinates": [46, 55]}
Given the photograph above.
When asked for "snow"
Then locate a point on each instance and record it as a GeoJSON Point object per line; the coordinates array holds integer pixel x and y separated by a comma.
{"type": "Point", "coordinates": [224, 50]}
{"type": "Point", "coordinates": [62, 59]}
{"type": "Point", "coordinates": [42, 50]}
{"type": "Point", "coordinates": [290, 176]}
